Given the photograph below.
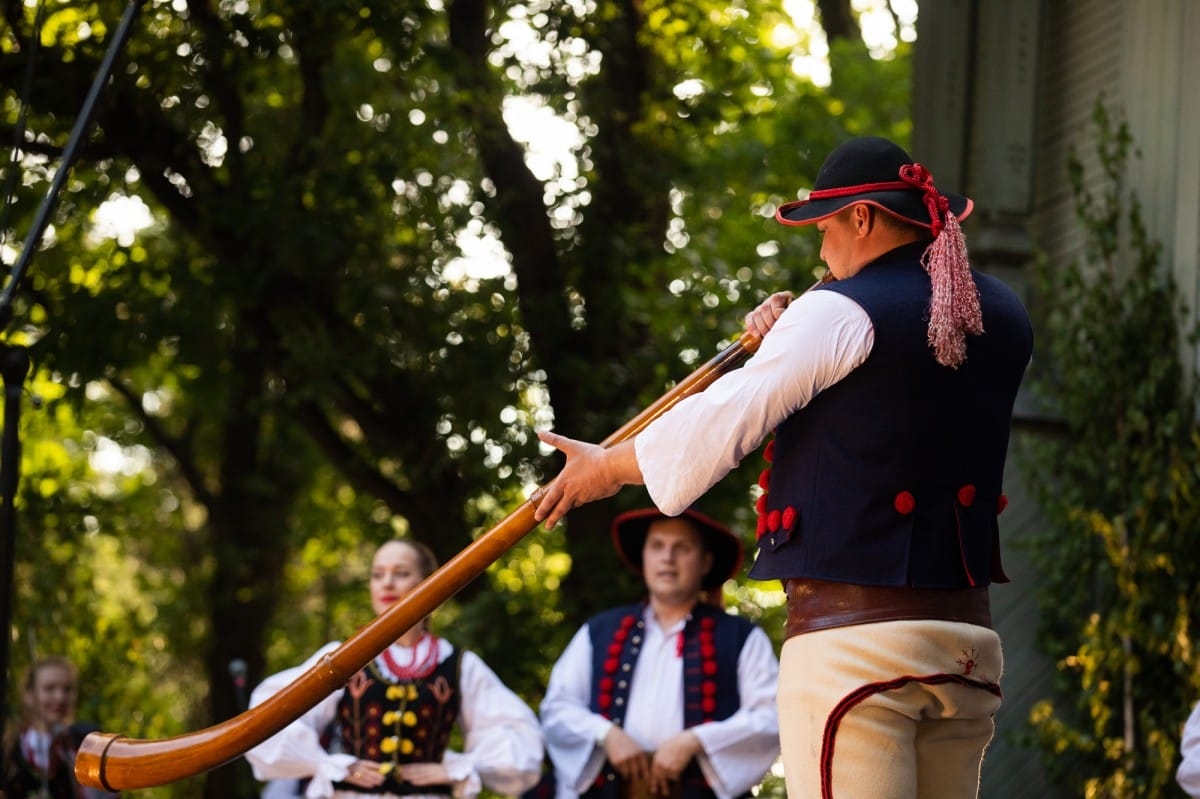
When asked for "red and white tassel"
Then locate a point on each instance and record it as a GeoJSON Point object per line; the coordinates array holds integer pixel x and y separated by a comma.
{"type": "Point", "coordinates": [954, 310]}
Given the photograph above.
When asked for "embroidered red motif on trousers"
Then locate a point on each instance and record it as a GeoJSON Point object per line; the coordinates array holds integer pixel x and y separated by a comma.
{"type": "Point", "coordinates": [962, 552]}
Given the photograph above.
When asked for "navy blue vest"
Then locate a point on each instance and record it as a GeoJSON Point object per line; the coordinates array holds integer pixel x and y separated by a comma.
{"type": "Point", "coordinates": [712, 644]}
{"type": "Point", "coordinates": [893, 475]}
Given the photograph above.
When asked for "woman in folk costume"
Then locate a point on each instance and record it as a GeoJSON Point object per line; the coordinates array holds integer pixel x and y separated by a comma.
{"type": "Point", "coordinates": [387, 732]}
{"type": "Point", "coordinates": [39, 758]}
{"type": "Point", "coordinates": [889, 392]}
{"type": "Point", "coordinates": [670, 696]}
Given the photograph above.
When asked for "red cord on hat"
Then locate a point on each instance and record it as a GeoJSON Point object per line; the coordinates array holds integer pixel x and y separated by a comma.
{"type": "Point", "coordinates": [936, 203]}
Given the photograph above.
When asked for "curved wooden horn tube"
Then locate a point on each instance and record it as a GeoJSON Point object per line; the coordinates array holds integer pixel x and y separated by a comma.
{"type": "Point", "coordinates": [115, 763]}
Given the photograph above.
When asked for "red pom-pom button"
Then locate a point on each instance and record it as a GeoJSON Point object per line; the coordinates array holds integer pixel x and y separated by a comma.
{"type": "Point", "coordinates": [904, 503]}
{"type": "Point", "coordinates": [773, 520]}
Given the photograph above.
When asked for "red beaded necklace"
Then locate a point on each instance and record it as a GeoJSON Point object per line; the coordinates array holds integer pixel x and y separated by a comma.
{"type": "Point", "coordinates": [414, 670]}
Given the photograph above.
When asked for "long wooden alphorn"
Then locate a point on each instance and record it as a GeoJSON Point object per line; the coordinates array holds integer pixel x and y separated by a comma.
{"type": "Point", "coordinates": [115, 763]}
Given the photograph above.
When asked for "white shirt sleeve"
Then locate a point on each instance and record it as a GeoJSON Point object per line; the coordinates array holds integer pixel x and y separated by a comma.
{"type": "Point", "coordinates": [573, 732]}
{"type": "Point", "coordinates": [502, 738]}
{"type": "Point", "coordinates": [296, 751]}
{"type": "Point", "coordinates": [1188, 773]}
{"type": "Point", "coordinates": [739, 750]}
{"type": "Point", "coordinates": [821, 337]}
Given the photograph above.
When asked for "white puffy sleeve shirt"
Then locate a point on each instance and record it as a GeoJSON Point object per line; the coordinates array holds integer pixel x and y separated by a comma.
{"type": "Point", "coordinates": [818, 340]}
{"type": "Point", "coordinates": [736, 752]}
{"type": "Point", "coordinates": [503, 746]}
{"type": "Point", "coordinates": [1188, 773]}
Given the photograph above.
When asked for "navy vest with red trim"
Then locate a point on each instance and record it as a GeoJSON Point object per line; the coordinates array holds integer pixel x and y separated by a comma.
{"type": "Point", "coordinates": [893, 476]}
{"type": "Point", "coordinates": [712, 645]}
{"type": "Point", "coordinates": [399, 722]}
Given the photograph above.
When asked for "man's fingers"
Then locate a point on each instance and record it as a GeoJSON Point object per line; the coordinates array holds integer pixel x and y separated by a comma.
{"type": "Point", "coordinates": [550, 505]}
{"type": "Point", "coordinates": [560, 443]}
{"type": "Point", "coordinates": [639, 768]}
{"type": "Point", "coordinates": [763, 318]}
{"type": "Point", "coordinates": [576, 484]}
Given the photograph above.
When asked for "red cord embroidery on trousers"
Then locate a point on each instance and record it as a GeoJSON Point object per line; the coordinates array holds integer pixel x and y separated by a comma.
{"type": "Point", "coordinates": [856, 697]}
{"type": "Point", "coordinates": [962, 550]}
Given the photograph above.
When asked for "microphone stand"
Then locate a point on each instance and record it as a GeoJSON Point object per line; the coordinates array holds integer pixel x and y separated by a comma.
{"type": "Point", "coordinates": [14, 359]}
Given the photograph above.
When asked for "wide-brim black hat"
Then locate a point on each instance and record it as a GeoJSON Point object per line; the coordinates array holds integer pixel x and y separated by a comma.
{"type": "Point", "coordinates": [867, 170]}
{"type": "Point", "coordinates": [629, 531]}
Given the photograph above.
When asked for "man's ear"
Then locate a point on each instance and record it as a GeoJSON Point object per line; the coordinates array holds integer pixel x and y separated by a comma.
{"type": "Point", "coordinates": [863, 217]}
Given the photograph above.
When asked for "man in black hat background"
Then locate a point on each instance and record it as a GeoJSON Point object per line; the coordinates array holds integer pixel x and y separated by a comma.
{"type": "Point", "coordinates": [671, 696]}
{"type": "Point", "coordinates": [888, 391]}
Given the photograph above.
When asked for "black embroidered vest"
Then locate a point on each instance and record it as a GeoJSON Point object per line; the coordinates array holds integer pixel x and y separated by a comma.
{"type": "Point", "coordinates": [23, 779]}
{"type": "Point", "coordinates": [399, 722]}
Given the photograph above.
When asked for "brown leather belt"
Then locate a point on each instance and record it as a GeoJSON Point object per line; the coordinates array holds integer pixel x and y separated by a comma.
{"type": "Point", "coordinates": [819, 604]}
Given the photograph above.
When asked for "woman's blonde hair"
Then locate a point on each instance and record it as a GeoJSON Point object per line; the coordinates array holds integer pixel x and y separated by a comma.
{"type": "Point", "coordinates": [30, 681]}
{"type": "Point", "coordinates": [426, 560]}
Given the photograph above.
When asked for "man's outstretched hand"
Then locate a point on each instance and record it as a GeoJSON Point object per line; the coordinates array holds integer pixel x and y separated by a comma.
{"type": "Point", "coordinates": [591, 472]}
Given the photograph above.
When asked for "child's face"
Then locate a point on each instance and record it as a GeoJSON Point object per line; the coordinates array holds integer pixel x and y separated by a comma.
{"type": "Point", "coordinates": [51, 700]}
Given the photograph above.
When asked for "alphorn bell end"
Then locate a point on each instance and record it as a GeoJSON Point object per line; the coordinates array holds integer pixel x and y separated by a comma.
{"type": "Point", "coordinates": [89, 760]}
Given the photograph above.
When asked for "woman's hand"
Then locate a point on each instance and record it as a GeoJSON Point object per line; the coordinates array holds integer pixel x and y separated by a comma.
{"type": "Point", "coordinates": [426, 774]}
{"type": "Point", "coordinates": [365, 774]}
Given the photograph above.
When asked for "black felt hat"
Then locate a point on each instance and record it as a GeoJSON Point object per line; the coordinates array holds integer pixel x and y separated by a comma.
{"type": "Point", "coordinates": [629, 531]}
{"type": "Point", "coordinates": [873, 170]}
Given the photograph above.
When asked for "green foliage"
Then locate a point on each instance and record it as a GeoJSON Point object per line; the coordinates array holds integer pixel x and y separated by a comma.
{"type": "Point", "coordinates": [288, 365]}
{"type": "Point", "coordinates": [94, 582]}
{"type": "Point", "coordinates": [1120, 489]}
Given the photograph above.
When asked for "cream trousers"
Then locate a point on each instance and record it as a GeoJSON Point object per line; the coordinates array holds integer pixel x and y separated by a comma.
{"type": "Point", "coordinates": [888, 710]}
